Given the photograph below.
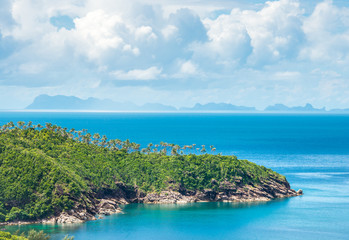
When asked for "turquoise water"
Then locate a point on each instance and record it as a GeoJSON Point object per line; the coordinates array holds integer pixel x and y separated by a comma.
{"type": "Point", "coordinates": [312, 151]}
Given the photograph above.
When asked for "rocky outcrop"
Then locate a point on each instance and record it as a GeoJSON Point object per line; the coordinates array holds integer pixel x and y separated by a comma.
{"type": "Point", "coordinates": [108, 206]}
{"type": "Point", "coordinates": [74, 216]}
{"type": "Point", "coordinates": [79, 214]}
{"type": "Point", "coordinates": [225, 191]}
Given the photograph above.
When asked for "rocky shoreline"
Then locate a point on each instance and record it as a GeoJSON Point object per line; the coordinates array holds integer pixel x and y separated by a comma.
{"type": "Point", "coordinates": [225, 191]}
{"type": "Point", "coordinates": [78, 215]}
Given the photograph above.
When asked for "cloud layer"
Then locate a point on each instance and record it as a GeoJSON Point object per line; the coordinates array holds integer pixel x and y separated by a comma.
{"type": "Point", "coordinates": [253, 54]}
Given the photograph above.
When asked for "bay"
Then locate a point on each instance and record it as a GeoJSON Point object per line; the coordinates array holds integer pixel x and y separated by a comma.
{"type": "Point", "coordinates": [311, 150]}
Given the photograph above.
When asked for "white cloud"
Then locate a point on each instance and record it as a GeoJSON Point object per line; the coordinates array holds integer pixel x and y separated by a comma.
{"type": "Point", "coordinates": [287, 75]}
{"type": "Point", "coordinates": [31, 21]}
{"type": "Point", "coordinates": [275, 31]}
{"type": "Point", "coordinates": [145, 33]}
{"type": "Point", "coordinates": [325, 74]}
{"type": "Point", "coordinates": [98, 32]}
{"type": "Point", "coordinates": [188, 67]}
{"type": "Point", "coordinates": [262, 37]}
{"type": "Point", "coordinates": [229, 41]}
{"type": "Point", "coordinates": [327, 31]}
{"type": "Point", "coordinates": [138, 74]}
{"type": "Point", "coordinates": [263, 53]}
{"type": "Point", "coordinates": [169, 31]}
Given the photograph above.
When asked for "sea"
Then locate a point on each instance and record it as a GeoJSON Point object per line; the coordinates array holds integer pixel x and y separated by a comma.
{"type": "Point", "coordinates": [311, 150]}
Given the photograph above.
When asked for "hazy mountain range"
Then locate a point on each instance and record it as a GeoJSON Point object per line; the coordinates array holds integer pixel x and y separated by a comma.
{"type": "Point", "coordinates": [60, 102]}
{"type": "Point", "coordinates": [283, 108]}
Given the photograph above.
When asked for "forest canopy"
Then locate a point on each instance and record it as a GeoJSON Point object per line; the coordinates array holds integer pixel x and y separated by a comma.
{"type": "Point", "coordinates": [45, 170]}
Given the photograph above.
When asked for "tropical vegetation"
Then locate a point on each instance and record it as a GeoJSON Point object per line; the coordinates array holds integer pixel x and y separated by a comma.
{"type": "Point", "coordinates": [31, 235]}
{"type": "Point", "coordinates": [45, 170]}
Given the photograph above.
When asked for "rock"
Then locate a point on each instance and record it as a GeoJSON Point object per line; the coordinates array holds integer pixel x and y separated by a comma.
{"type": "Point", "coordinates": [225, 185]}
{"type": "Point", "coordinates": [65, 217]}
{"type": "Point", "coordinates": [107, 207]}
{"type": "Point", "coordinates": [214, 181]}
{"type": "Point", "coordinates": [238, 179]}
{"type": "Point", "coordinates": [225, 191]}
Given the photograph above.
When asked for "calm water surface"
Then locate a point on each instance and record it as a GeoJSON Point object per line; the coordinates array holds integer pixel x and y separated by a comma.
{"type": "Point", "coordinates": [312, 151]}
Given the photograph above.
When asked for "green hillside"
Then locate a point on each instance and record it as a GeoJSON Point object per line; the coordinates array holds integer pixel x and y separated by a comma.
{"type": "Point", "coordinates": [46, 170]}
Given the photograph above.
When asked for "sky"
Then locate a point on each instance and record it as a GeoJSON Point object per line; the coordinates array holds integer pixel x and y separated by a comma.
{"type": "Point", "coordinates": [251, 52]}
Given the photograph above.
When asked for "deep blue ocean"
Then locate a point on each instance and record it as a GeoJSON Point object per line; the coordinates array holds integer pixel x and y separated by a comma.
{"type": "Point", "coordinates": [311, 150]}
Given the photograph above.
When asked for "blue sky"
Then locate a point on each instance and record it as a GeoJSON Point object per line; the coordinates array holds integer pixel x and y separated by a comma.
{"type": "Point", "coordinates": [251, 53]}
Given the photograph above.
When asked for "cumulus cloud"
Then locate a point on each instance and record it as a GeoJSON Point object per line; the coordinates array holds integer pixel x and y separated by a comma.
{"type": "Point", "coordinates": [97, 32]}
{"type": "Point", "coordinates": [145, 33]}
{"type": "Point", "coordinates": [169, 31]}
{"type": "Point", "coordinates": [229, 42]}
{"type": "Point", "coordinates": [193, 46]}
{"type": "Point", "coordinates": [327, 31]}
{"type": "Point", "coordinates": [188, 67]}
{"type": "Point", "coordinates": [255, 37]}
{"type": "Point", "coordinates": [138, 74]}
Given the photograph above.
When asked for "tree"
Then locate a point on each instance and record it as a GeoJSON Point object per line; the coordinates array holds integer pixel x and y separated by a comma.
{"type": "Point", "coordinates": [21, 124]}
{"type": "Point", "coordinates": [34, 235]}
{"type": "Point", "coordinates": [104, 141]}
{"type": "Point", "coordinates": [96, 138]}
{"type": "Point", "coordinates": [48, 126]}
{"type": "Point", "coordinates": [68, 238]}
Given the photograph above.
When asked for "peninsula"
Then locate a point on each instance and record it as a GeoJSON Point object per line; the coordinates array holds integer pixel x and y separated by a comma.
{"type": "Point", "coordinates": [52, 174]}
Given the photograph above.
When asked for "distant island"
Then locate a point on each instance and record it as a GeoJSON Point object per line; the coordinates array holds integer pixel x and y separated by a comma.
{"type": "Point", "coordinates": [61, 102]}
{"type": "Point", "coordinates": [218, 107]}
{"type": "Point", "coordinates": [283, 108]}
{"type": "Point", "coordinates": [55, 175]}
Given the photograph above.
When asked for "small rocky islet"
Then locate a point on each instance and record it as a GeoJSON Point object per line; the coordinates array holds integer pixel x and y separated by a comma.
{"type": "Point", "coordinates": [49, 174]}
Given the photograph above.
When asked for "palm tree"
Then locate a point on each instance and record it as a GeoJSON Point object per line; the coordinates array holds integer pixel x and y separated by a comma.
{"type": "Point", "coordinates": [113, 144]}
{"type": "Point", "coordinates": [137, 146]}
{"type": "Point", "coordinates": [11, 124]}
{"type": "Point", "coordinates": [87, 138]}
{"type": "Point", "coordinates": [126, 144]}
{"type": "Point", "coordinates": [29, 124]}
{"type": "Point", "coordinates": [173, 151]}
{"type": "Point", "coordinates": [96, 138]}
{"type": "Point", "coordinates": [79, 134]}
{"type": "Point", "coordinates": [104, 140]}
{"type": "Point", "coordinates": [21, 124]}
{"type": "Point", "coordinates": [203, 149]}
{"type": "Point", "coordinates": [48, 126]}
{"type": "Point", "coordinates": [164, 151]}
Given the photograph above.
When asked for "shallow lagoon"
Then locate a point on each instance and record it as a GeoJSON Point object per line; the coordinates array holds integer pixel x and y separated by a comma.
{"type": "Point", "coordinates": [311, 150]}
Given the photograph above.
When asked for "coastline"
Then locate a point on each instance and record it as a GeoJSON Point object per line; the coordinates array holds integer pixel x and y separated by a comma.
{"type": "Point", "coordinates": [227, 192]}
